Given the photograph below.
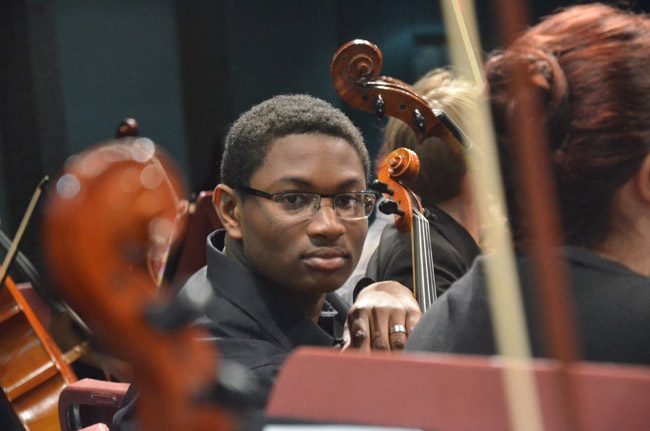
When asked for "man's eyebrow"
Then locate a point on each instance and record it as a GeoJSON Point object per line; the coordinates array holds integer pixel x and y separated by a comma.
{"type": "Point", "coordinates": [304, 183]}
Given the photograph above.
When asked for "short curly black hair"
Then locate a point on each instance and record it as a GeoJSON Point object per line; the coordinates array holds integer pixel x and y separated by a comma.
{"type": "Point", "coordinates": [248, 140]}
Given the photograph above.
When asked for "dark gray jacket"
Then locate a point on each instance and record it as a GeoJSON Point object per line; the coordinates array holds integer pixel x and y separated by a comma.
{"type": "Point", "coordinates": [612, 306]}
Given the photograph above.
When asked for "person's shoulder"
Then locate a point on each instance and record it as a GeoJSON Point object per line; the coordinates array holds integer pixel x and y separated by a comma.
{"type": "Point", "coordinates": [450, 239]}
{"type": "Point", "coordinates": [459, 321]}
{"type": "Point", "coordinates": [471, 283]}
{"type": "Point", "coordinates": [587, 262]}
{"type": "Point", "coordinates": [199, 277]}
{"type": "Point", "coordinates": [195, 285]}
{"type": "Point", "coordinates": [221, 315]}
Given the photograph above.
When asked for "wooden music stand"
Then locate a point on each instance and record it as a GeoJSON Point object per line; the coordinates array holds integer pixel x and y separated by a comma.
{"type": "Point", "coordinates": [446, 392]}
{"type": "Point", "coordinates": [90, 402]}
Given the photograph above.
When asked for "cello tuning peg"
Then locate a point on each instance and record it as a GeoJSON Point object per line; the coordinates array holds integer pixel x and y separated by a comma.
{"type": "Point", "coordinates": [418, 119]}
{"type": "Point", "coordinates": [380, 187]}
{"type": "Point", "coordinates": [379, 107]}
{"type": "Point", "coordinates": [389, 207]}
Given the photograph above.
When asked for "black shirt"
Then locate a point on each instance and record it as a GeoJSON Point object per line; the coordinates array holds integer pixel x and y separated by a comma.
{"type": "Point", "coordinates": [452, 247]}
{"type": "Point", "coordinates": [252, 321]}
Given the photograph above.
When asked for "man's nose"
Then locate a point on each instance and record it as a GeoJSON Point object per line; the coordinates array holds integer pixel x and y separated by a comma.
{"type": "Point", "coordinates": [326, 222]}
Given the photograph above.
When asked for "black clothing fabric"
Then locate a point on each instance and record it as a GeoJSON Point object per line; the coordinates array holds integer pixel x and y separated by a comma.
{"type": "Point", "coordinates": [453, 250]}
{"type": "Point", "coordinates": [612, 306]}
{"type": "Point", "coordinates": [251, 321]}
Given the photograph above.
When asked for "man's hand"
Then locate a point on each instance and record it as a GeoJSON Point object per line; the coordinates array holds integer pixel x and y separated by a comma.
{"type": "Point", "coordinates": [382, 317]}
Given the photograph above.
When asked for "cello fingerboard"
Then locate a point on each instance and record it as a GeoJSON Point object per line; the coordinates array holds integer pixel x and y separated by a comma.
{"type": "Point", "coordinates": [423, 268]}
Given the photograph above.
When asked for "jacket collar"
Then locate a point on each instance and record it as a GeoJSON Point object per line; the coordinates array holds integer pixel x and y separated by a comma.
{"type": "Point", "coordinates": [266, 303]}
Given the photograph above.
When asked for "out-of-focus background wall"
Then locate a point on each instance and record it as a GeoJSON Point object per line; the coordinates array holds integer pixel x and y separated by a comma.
{"type": "Point", "coordinates": [72, 70]}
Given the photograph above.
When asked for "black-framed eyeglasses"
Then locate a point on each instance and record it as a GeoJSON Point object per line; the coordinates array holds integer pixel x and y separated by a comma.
{"type": "Point", "coordinates": [348, 206]}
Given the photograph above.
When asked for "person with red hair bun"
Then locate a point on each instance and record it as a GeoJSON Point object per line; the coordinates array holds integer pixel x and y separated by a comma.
{"type": "Point", "coordinates": [588, 66]}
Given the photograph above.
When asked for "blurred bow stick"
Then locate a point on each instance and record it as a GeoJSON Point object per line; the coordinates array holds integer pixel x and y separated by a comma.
{"type": "Point", "coordinates": [509, 320]}
{"type": "Point", "coordinates": [541, 204]}
{"type": "Point", "coordinates": [11, 253]}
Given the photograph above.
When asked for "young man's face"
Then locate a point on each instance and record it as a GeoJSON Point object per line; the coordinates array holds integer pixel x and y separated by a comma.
{"type": "Point", "coordinates": [314, 255]}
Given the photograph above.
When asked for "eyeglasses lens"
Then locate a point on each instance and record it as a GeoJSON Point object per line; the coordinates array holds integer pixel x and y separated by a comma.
{"type": "Point", "coordinates": [348, 206]}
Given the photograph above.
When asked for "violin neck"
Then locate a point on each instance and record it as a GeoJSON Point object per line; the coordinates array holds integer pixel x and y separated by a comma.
{"type": "Point", "coordinates": [424, 283]}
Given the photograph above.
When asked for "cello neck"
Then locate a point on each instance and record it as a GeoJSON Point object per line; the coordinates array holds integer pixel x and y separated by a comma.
{"type": "Point", "coordinates": [355, 72]}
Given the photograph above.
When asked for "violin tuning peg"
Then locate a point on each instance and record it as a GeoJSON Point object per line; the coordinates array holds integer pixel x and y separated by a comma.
{"type": "Point", "coordinates": [389, 207]}
{"type": "Point", "coordinates": [380, 187]}
{"type": "Point", "coordinates": [379, 107]}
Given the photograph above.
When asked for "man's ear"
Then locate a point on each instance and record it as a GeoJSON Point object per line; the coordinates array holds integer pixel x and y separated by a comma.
{"type": "Point", "coordinates": [643, 180]}
{"type": "Point", "coordinates": [227, 203]}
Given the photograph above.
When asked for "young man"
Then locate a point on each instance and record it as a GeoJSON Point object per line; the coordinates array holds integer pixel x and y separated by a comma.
{"type": "Point", "coordinates": [294, 205]}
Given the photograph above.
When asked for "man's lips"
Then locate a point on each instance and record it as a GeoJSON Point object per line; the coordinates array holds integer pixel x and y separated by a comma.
{"type": "Point", "coordinates": [328, 260]}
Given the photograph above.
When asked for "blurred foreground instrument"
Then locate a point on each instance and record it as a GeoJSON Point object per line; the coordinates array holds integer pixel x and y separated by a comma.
{"type": "Point", "coordinates": [114, 207]}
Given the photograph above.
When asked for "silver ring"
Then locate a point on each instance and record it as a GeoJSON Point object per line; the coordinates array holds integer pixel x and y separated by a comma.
{"type": "Point", "coordinates": [397, 329]}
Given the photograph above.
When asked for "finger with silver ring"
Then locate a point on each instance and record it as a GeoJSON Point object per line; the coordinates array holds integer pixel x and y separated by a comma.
{"type": "Point", "coordinates": [398, 335]}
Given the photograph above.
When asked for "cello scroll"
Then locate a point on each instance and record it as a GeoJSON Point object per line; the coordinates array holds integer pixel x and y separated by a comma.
{"type": "Point", "coordinates": [395, 178]}
{"type": "Point", "coordinates": [355, 72]}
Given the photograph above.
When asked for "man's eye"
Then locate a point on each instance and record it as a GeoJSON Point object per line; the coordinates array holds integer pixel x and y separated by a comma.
{"type": "Point", "coordinates": [347, 201]}
{"type": "Point", "coordinates": [293, 200]}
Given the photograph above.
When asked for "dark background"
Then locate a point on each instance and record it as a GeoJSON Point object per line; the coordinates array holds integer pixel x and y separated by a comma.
{"type": "Point", "coordinates": [71, 70]}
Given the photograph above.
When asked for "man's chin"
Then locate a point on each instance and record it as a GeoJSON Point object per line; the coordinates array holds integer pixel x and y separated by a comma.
{"type": "Point", "coordinates": [317, 284]}
{"type": "Point", "coordinates": [330, 283]}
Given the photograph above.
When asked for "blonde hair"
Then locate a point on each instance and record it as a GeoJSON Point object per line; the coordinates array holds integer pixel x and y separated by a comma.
{"type": "Point", "coordinates": [443, 164]}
